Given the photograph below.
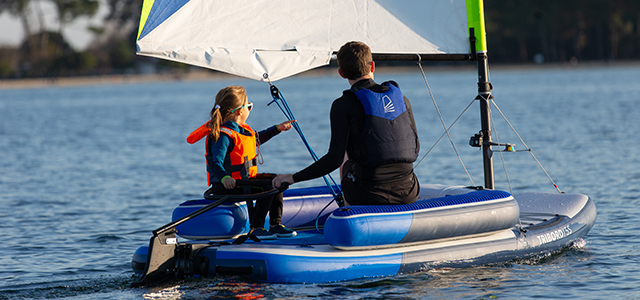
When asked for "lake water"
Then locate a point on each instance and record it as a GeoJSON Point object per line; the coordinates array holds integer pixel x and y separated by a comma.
{"type": "Point", "coordinates": [87, 172]}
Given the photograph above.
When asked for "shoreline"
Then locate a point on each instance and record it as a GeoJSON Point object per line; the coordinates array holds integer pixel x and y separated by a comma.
{"type": "Point", "coordinates": [206, 75]}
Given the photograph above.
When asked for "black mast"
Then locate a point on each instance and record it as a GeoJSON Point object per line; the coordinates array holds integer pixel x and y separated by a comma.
{"type": "Point", "coordinates": [483, 138]}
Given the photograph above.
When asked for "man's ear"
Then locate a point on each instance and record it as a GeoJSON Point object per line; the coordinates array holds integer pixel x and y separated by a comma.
{"type": "Point", "coordinates": [341, 75]}
{"type": "Point", "coordinates": [373, 67]}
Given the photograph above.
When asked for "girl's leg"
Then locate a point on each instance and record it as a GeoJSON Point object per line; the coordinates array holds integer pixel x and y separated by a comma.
{"type": "Point", "coordinates": [275, 218]}
{"type": "Point", "coordinates": [275, 211]}
{"type": "Point", "coordinates": [272, 205]}
{"type": "Point", "coordinates": [262, 207]}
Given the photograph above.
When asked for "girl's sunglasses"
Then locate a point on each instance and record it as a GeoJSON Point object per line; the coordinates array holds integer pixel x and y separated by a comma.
{"type": "Point", "coordinates": [249, 106]}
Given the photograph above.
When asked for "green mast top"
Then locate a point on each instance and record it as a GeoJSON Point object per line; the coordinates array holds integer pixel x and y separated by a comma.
{"type": "Point", "coordinates": [475, 20]}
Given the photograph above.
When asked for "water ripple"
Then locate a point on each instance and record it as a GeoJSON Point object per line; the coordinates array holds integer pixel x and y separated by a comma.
{"type": "Point", "coordinates": [89, 172]}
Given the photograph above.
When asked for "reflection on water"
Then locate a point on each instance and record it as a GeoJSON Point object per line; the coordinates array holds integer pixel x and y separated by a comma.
{"type": "Point", "coordinates": [225, 288]}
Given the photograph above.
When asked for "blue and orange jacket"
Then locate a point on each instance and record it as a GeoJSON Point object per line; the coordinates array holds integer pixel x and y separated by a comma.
{"type": "Point", "coordinates": [235, 152]}
{"type": "Point", "coordinates": [241, 162]}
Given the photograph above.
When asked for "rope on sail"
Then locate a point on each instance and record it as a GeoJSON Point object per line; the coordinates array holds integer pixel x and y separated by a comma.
{"type": "Point", "coordinates": [278, 98]}
{"type": "Point", "coordinates": [446, 130]}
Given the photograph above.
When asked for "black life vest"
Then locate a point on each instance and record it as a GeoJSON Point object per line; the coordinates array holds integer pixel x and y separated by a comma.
{"type": "Point", "coordinates": [388, 135]}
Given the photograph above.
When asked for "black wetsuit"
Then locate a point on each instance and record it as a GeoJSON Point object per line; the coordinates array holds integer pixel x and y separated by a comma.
{"type": "Point", "coordinates": [393, 183]}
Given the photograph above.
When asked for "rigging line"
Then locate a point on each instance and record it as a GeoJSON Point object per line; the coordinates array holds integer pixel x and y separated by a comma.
{"type": "Point", "coordinates": [284, 107]}
{"type": "Point", "coordinates": [446, 130]}
{"type": "Point", "coordinates": [304, 139]}
{"type": "Point", "coordinates": [504, 165]}
{"type": "Point", "coordinates": [527, 147]}
{"type": "Point", "coordinates": [443, 134]}
{"type": "Point", "coordinates": [320, 214]}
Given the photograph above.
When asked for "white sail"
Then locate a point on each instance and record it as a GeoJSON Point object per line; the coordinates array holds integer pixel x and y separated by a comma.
{"type": "Point", "coordinates": [284, 37]}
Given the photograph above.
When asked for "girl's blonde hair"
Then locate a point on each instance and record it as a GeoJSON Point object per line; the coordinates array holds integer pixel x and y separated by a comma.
{"type": "Point", "coordinates": [227, 99]}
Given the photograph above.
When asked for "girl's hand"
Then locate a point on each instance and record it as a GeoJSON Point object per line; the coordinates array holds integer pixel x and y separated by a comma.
{"type": "Point", "coordinates": [229, 183]}
{"type": "Point", "coordinates": [284, 126]}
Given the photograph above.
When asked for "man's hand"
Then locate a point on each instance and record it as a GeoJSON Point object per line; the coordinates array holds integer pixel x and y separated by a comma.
{"type": "Point", "coordinates": [281, 178]}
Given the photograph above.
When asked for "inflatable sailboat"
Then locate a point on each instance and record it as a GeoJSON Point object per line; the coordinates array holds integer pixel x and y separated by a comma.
{"type": "Point", "coordinates": [449, 226]}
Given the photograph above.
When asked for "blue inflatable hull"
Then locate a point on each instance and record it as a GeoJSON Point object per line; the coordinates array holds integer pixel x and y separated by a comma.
{"type": "Point", "coordinates": [550, 222]}
{"type": "Point", "coordinates": [368, 227]}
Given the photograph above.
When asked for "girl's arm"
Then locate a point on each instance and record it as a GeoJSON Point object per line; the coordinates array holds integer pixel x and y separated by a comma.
{"type": "Point", "coordinates": [218, 153]}
{"type": "Point", "coordinates": [267, 134]}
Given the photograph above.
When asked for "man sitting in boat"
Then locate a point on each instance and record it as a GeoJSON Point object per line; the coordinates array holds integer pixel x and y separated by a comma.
{"type": "Point", "coordinates": [373, 137]}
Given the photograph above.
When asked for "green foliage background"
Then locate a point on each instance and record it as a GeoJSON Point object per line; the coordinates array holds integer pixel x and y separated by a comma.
{"type": "Point", "coordinates": [518, 31]}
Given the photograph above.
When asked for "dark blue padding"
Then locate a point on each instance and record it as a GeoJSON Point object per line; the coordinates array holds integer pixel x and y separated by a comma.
{"type": "Point", "coordinates": [476, 196]}
{"type": "Point", "coordinates": [318, 190]}
{"type": "Point", "coordinates": [371, 226]}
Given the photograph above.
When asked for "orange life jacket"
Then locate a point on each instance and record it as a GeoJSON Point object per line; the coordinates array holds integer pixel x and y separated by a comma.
{"type": "Point", "coordinates": [199, 133]}
{"type": "Point", "coordinates": [242, 162]}
{"type": "Point", "coordinates": [244, 146]}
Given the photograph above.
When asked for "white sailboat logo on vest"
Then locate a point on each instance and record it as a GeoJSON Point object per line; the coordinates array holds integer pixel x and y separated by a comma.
{"type": "Point", "coordinates": [388, 105]}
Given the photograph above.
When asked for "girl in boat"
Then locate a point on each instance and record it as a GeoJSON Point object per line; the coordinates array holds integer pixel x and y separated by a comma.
{"type": "Point", "coordinates": [231, 154]}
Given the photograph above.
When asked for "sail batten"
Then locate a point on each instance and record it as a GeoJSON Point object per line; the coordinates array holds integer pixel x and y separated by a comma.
{"type": "Point", "coordinates": [282, 38]}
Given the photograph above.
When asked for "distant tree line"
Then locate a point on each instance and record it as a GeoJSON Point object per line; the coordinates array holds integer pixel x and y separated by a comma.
{"type": "Point", "coordinates": [46, 53]}
{"type": "Point", "coordinates": [562, 30]}
{"type": "Point", "coordinates": [518, 31]}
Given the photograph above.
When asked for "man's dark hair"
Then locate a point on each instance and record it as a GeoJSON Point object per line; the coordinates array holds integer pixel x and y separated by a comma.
{"type": "Point", "coordinates": [354, 59]}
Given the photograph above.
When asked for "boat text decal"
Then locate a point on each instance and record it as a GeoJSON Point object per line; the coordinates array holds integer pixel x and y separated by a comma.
{"type": "Point", "coordinates": [554, 235]}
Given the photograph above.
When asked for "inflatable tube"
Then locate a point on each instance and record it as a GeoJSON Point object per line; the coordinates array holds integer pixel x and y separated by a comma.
{"type": "Point", "coordinates": [301, 208]}
{"type": "Point", "coordinates": [223, 222]}
{"type": "Point", "coordinates": [139, 260]}
{"type": "Point", "coordinates": [550, 222]}
{"type": "Point", "coordinates": [384, 226]}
